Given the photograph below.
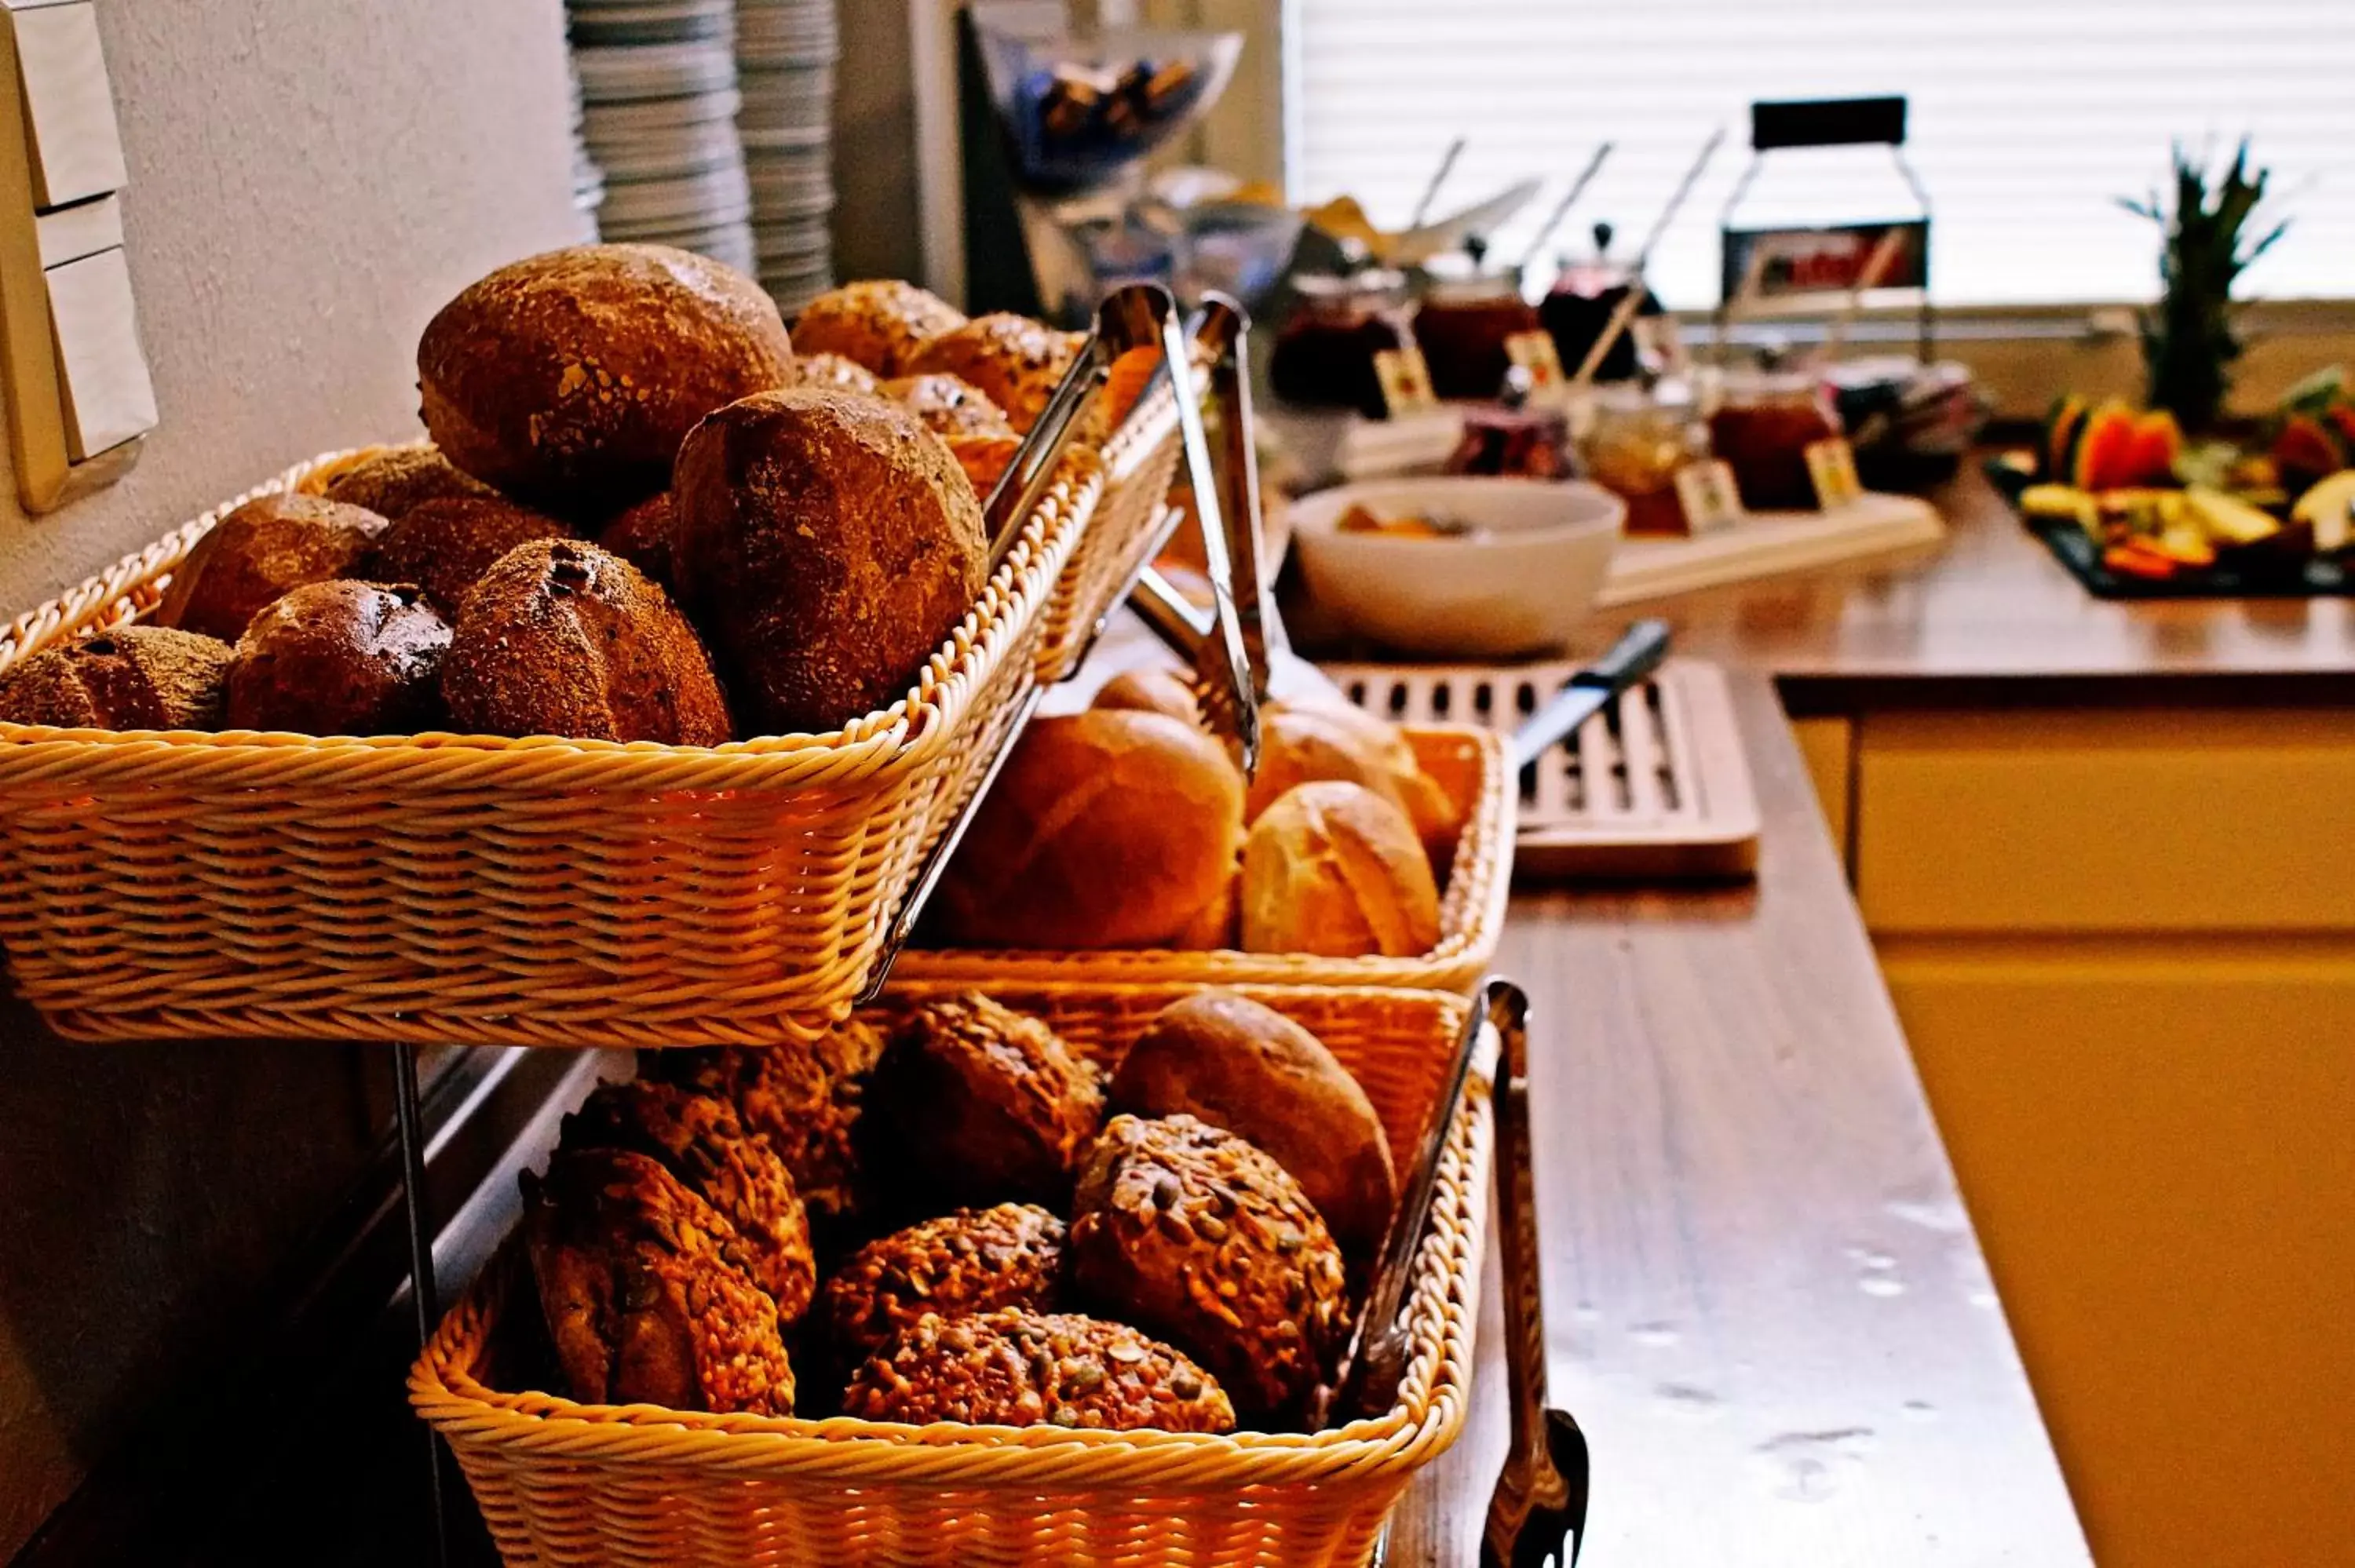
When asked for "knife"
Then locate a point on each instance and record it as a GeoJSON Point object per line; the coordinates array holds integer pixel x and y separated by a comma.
{"type": "Point", "coordinates": [1636, 655]}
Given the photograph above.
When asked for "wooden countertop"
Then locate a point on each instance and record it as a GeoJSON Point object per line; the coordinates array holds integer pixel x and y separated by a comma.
{"type": "Point", "coordinates": [1765, 1304]}
{"type": "Point", "coordinates": [1991, 607]}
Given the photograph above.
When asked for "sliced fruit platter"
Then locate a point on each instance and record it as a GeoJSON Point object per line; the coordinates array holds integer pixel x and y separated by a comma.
{"type": "Point", "coordinates": [2135, 510]}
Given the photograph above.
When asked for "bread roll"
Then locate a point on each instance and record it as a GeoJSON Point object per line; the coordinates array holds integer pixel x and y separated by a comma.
{"type": "Point", "coordinates": [949, 404]}
{"type": "Point", "coordinates": [985, 459]}
{"type": "Point", "coordinates": [341, 658]}
{"type": "Point", "coordinates": [1334, 869]}
{"type": "Point", "coordinates": [1227, 1060]}
{"type": "Point", "coordinates": [1105, 829]}
{"type": "Point", "coordinates": [445, 545]}
{"type": "Point", "coordinates": [258, 552]}
{"type": "Point", "coordinates": [390, 481]}
{"type": "Point", "coordinates": [133, 677]}
{"type": "Point", "coordinates": [1218, 925]}
{"type": "Point", "coordinates": [829, 544]}
{"type": "Point", "coordinates": [1303, 743]}
{"type": "Point", "coordinates": [1014, 361]}
{"type": "Point", "coordinates": [647, 537]}
{"type": "Point", "coordinates": [560, 638]}
{"type": "Point", "coordinates": [1153, 690]}
{"type": "Point", "coordinates": [569, 379]}
{"type": "Point", "coordinates": [877, 322]}
{"type": "Point", "coordinates": [832, 370]}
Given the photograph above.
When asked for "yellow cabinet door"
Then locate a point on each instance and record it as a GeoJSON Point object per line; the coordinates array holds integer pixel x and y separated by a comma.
{"type": "Point", "coordinates": [2156, 1138]}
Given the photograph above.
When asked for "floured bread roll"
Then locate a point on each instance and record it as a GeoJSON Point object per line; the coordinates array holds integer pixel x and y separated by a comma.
{"type": "Point", "coordinates": [1334, 869]}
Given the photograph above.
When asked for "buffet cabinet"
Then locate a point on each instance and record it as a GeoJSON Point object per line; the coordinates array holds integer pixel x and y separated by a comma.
{"type": "Point", "coordinates": [2122, 943]}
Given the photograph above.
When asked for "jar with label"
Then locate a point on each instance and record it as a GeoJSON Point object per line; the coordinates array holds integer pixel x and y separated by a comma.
{"type": "Point", "coordinates": [1324, 357]}
{"type": "Point", "coordinates": [1464, 323]}
{"type": "Point", "coordinates": [1636, 445]}
{"type": "Point", "coordinates": [1762, 429]}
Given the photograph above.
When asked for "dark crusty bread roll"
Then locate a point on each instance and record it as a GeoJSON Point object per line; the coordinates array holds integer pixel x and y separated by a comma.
{"type": "Point", "coordinates": [977, 1104]}
{"type": "Point", "coordinates": [984, 460]}
{"type": "Point", "coordinates": [568, 379]}
{"type": "Point", "coordinates": [829, 544]}
{"type": "Point", "coordinates": [445, 545]}
{"type": "Point", "coordinates": [1222, 1058]}
{"type": "Point", "coordinates": [1171, 1215]}
{"type": "Point", "coordinates": [133, 677]}
{"type": "Point", "coordinates": [341, 658]}
{"type": "Point", "coordinates": [1334, 869]}
{"type": "Point", "coordinates": [832, 370]}
{"type": "Point", "coordinates": [1014, 361]}
{"type": "Point", "coordinates": [949, 404]}
{"type": "Point", "coordinates": [390, 481]}
{"type": "Point", "coordinates": [699, 1140]}
{"type": "Point", "coordinates": [642, 1303]}
{"type": "Point", "coordinates": [645, 536]}
{"type": "Point", "coordinates": [877, 322]}
{"type": "Point", "coordinates": [258, 552]}
{"type": "Point", "coordinates": [1107, 829]}
{"type": "Point", "coordinates": [560, 638]}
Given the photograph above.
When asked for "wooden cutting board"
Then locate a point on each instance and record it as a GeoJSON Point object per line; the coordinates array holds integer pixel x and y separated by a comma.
{"type": "Point", "coordinates": [1654, 788]}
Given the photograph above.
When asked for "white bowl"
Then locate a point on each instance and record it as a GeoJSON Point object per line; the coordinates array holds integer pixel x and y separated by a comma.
{"type": "Point", "coordinates": [1521, 584]}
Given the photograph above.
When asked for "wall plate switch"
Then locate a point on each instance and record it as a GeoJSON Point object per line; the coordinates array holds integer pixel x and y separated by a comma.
{"type": "Point", "coordinates": [108, 395]}
{"type": "Point", "coordinates": [77, 150]}
{"type": "Point", "coordinates": [85, 228]}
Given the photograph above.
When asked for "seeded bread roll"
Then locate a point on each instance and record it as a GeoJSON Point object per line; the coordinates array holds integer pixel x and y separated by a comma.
{"type": "Point", "coordinates": [560, 638]}
{"type": "Point", "coordinates": [977, 1105]}
{"type": "Point", "coordinates": [1017, 1367]}
{"type": "Point", "coordinates": [1106, 830]}
{"type": "Point", "coordinates": [1336, 870]}
{"type": "Point", "coordinates": [341, 658]}
{"type": "Point", "coordinates": [1014, 361]}
{"type": "Point", "coordinates": [259, 551]}
{"type": "Point", "coordinates": [805, 1099]}
{"type": "Point", "coordinates": [949, 404]}
{"type": "Point", "coordinates": [390, 481]}
{"type": "Point", "coordinates": [569, 379]}
{"type": "Point", "coordinates": [877, 322]}
{"type": "Point", "coordinates": [445, 545]}
{"type": "Point", "coordinates": [697, 1138]}
{"type": "Point", "coordinates": [133, 677]}
{"type": "Point", "coordinates": [646, 536]}
{"type": "Point", "coordinates": [1190, 1232]}
{"type": "Point", "coordinates": [833, 370]}
{"type": "Point", "coordinates": [642, 1305]}
{"type": "Point", "coordinates": [970, 1262]}
{"type": "Point", "coordinates": [830, 545]}
{"type": "Point", "coordinates": [1224, 1059]}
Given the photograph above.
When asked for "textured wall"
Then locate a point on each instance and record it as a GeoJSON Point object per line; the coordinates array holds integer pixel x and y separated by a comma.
{"type": "Point", "coordinates": [310, 178]}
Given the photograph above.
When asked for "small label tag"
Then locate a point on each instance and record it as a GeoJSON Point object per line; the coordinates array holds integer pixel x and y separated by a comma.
{"type": "Point", "coordinates": [1831, 463]}
{"type": "Point", "coordinates": [1534, 352]}
{"type": "Point", "coordinates": [1406, 380]}
{"type": "Point", "coordinates": [1711, 499]}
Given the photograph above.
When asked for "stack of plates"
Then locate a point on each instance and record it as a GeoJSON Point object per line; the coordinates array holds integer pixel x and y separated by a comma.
{"type": "Point", "coordinates": [588, 179]}
{"type": "Point", "coordinates": [786, 53]}
{"type": "Point", "coordinates": [658, 84]}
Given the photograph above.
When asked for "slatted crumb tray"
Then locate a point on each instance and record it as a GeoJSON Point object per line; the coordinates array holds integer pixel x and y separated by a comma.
{"type": "Point", "coordinates": [1654, 788]}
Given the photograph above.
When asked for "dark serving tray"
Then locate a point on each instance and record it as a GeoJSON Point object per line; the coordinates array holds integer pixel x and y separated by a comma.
{"type": "Point", "coordinates": [2312, 578]}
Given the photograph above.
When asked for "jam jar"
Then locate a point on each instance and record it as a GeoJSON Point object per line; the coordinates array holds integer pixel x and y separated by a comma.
{"type": "Point", "coordinates": [1579, 307]}
{"type": "Point", "coordinates": [1463, 324]}
{"type": "Point", "coordinates": [1634, 447]}
{"type": "Point", "coordinates": [1763, 424]}
{"type": "Point", "coordinates": [1324, 357]}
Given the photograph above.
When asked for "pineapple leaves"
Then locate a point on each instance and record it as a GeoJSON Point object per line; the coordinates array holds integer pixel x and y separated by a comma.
{"type": "Point", "coordinates": [2187, 336]}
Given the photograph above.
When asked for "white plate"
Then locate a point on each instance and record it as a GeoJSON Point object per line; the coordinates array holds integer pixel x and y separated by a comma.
{"type": "Point", "coordinates": [661, 113]}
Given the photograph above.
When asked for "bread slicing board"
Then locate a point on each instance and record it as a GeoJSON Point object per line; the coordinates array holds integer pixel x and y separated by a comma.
{"type": "Point", "coordinates": [1653, 788]}
{"type": "Point", "coordinates": [1768, 543]}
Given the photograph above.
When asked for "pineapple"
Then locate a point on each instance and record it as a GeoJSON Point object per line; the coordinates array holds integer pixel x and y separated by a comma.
{"type": "Point", "coordinates": [2188, 342]}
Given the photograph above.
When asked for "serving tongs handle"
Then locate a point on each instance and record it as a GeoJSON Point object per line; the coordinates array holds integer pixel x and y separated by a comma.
{"type": "Point", "coordinates": [1134, 316]}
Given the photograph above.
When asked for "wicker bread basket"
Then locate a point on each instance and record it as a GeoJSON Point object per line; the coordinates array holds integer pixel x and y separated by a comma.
{"type": "Point", "coordinates": [561, 1483]}
{"type": "Point", "coordinates": [478, 890]}
{"type": "Point", "coordinates": [1466, 761]}
{"type": "Point", "coordinates": [1140, 460]}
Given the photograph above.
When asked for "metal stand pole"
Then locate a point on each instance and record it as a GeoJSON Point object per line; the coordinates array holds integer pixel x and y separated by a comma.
{"type": "Point", "coordinates": [424, 1294]}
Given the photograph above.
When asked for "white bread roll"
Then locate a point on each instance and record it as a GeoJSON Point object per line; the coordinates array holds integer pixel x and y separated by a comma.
{"type": "Point", "coordinates": [1332, 868]}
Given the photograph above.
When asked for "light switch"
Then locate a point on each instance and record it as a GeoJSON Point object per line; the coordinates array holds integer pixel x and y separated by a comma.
{"type": "Point", "coordinates": [103, 373]}
{"type": "Point", "coordinates": [76, 150]}
{"type": "Point", "coordinates": [82, 229]}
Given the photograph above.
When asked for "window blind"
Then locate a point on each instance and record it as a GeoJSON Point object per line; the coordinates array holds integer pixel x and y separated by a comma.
{"type": "Point", "coordinates": [2028, 117]}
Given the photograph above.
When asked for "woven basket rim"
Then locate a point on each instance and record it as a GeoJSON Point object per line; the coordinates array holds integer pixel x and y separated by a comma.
{"type": "Point", "coordinates": [1472, 913]}
{"type": "Point", "coordinates": [1432, 1409]}
{"type": "Point", "coordinates": [931, 708]}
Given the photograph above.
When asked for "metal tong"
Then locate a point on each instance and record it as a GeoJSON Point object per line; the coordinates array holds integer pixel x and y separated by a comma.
{"type": "Point", "coordinates": [1134, 316]}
